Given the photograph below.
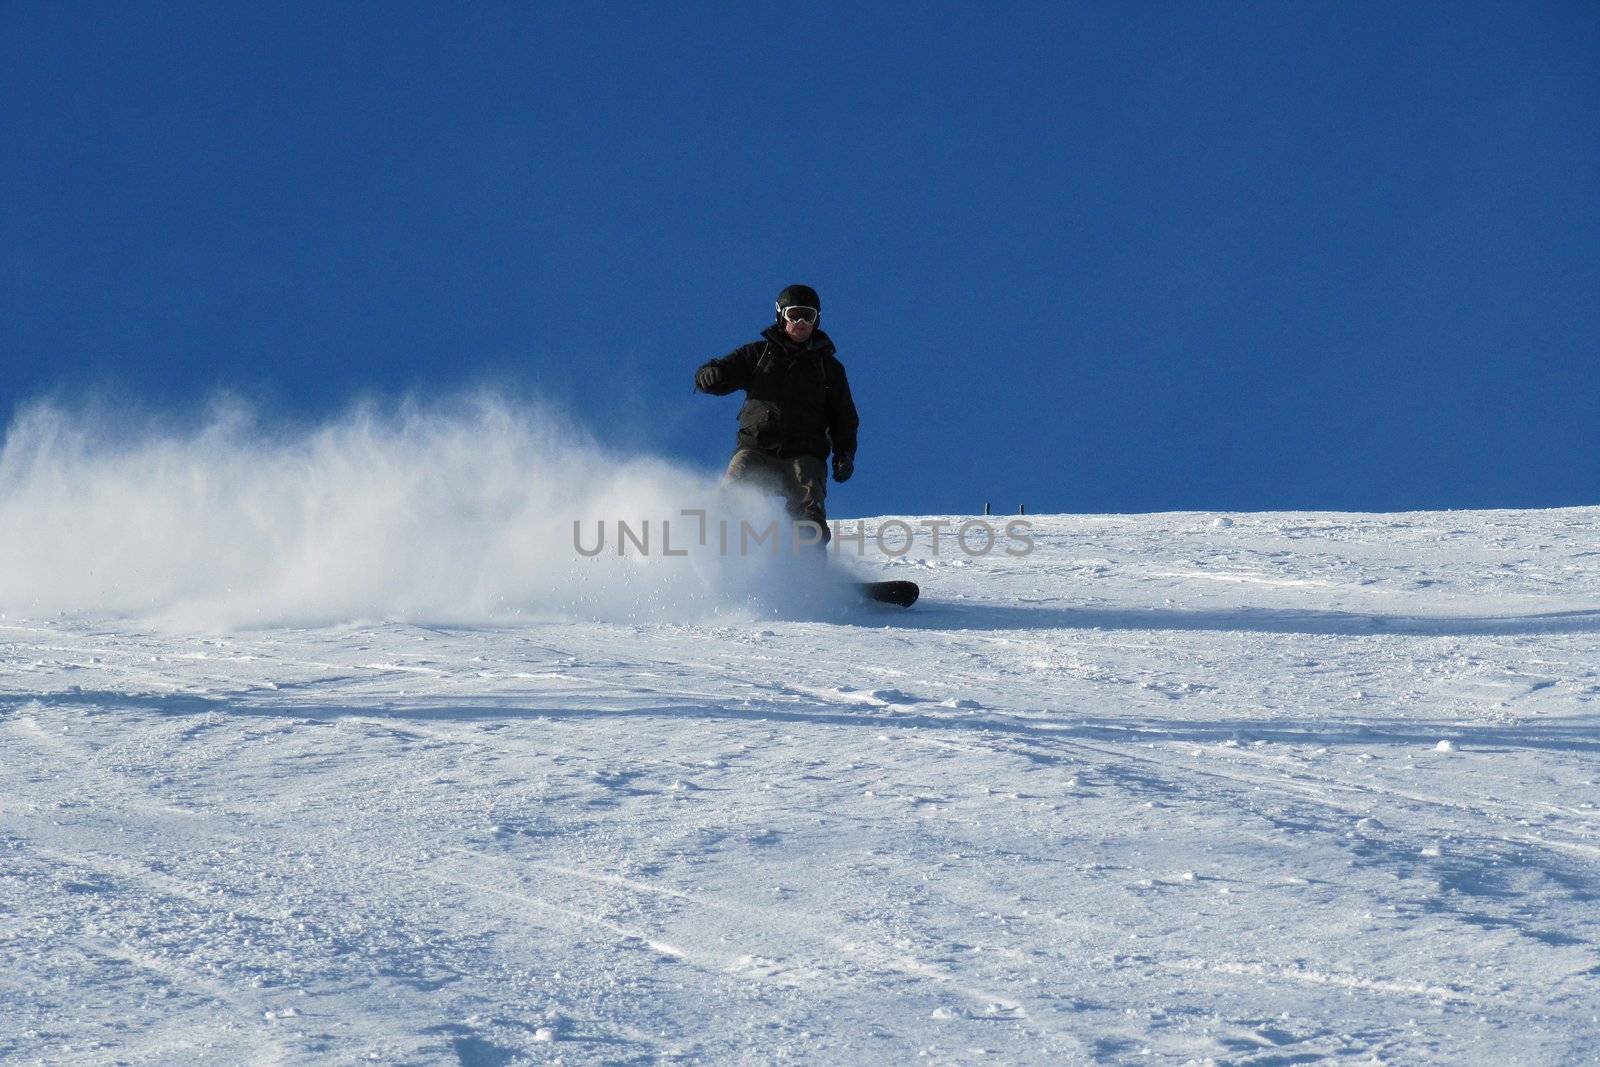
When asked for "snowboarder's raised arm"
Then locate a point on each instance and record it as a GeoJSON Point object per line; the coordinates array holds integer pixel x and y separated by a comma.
{"type": "Point", "coordinates": [719, 377]}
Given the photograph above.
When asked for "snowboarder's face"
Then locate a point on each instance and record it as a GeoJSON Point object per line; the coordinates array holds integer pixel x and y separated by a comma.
{"type": "Point", "coordinates": [798, 322]}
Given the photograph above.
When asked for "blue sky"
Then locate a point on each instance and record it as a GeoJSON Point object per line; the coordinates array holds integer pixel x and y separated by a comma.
{"type": "Point", "coordinates": [1090, 257]}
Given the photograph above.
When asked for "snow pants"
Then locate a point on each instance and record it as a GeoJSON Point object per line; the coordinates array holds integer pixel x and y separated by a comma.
{"type": "Point", "coordinates": [801, 480]}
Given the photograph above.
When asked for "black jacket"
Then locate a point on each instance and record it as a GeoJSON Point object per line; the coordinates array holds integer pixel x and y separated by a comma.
{"type": "Point", "coordinates": [797, 398]}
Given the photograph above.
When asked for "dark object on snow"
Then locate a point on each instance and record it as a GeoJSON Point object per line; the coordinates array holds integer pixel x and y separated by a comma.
{"type": "Point", "coordinates": [899, 592]}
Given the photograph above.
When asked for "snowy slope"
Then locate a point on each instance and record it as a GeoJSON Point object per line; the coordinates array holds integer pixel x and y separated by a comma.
{"type": "Point", "coordinates": [1269, 789]}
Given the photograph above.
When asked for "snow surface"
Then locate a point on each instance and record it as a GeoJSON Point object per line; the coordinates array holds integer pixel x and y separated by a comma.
{"type": "Point", "coordinates": [1249, 788]}
{"type": "Point", "coordinates": [1296, 786]}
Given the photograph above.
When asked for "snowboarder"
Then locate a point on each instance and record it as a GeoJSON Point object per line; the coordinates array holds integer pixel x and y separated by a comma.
{"type": "Point", "coordinates": [797, 408]}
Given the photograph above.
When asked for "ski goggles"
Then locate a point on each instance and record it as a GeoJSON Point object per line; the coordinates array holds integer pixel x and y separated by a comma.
{"type": "Point", "coordinates": [800, 314]}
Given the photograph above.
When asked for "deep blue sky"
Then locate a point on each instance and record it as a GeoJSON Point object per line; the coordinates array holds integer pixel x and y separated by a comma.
{"type": "Point", "coordinates": [1091, 257]}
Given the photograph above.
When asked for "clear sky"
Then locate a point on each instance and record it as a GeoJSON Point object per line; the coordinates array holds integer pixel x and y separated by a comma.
{"type": "Point", "coordinates": [1083, 256]}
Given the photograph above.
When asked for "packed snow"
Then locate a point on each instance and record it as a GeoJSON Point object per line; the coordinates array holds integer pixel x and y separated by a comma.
{"type": "Point", "coordinates": [1244, 788]}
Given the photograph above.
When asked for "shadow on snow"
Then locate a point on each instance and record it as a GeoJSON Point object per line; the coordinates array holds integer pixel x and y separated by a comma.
{"type": "Point", "coordinates": [955, 615]}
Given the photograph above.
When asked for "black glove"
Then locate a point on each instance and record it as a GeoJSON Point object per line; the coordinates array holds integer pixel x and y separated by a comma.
{"type": "Point", "coordinates": [844, 465]}
{"type": "Point", "coordinates": [709, 378]}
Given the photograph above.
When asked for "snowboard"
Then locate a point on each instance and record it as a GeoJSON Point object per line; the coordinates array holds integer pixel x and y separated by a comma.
{"type": "Point", "coordinates": [900, 593]}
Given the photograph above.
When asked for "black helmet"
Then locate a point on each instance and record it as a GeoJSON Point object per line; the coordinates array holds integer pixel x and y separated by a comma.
{"type": "Point", "coordinates": [798, 296]}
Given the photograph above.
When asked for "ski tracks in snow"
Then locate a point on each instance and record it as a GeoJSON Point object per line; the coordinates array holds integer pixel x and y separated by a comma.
{"type": "Point", "coordinates": [1278, 789]}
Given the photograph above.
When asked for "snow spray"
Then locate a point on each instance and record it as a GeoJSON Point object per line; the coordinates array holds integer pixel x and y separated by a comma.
{"type": "Point", "coordinates": [452, 512]}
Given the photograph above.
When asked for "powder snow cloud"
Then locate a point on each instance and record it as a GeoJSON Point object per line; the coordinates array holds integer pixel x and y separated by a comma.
{"type": "Point", "coordinates": [456, 511]}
